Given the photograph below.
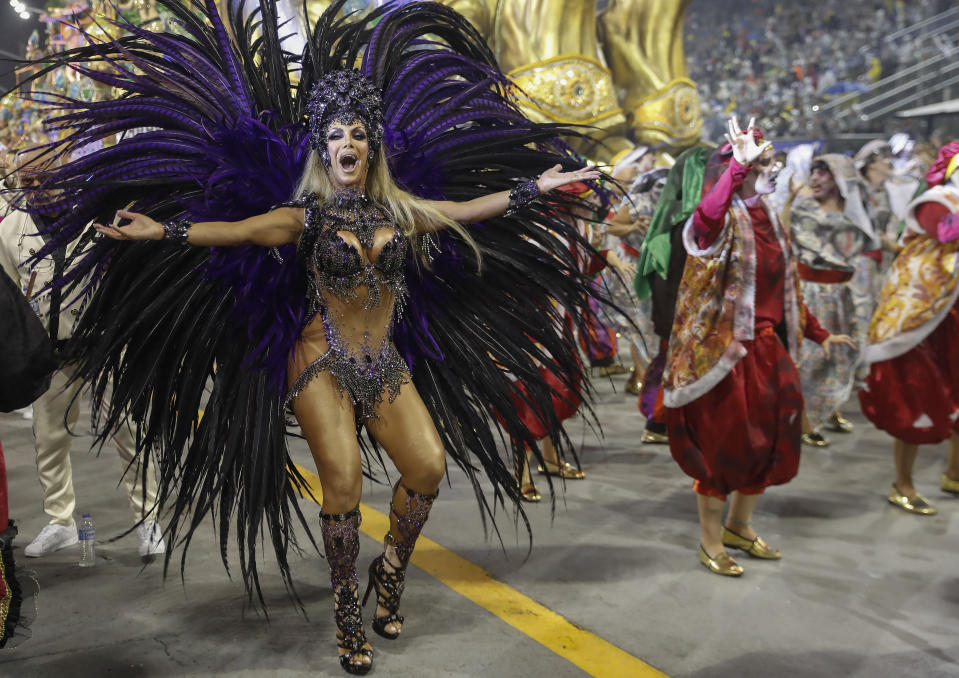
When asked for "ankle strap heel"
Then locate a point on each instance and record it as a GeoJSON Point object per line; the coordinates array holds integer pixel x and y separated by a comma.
{"type": "Point", "coordinates": [387, 578]}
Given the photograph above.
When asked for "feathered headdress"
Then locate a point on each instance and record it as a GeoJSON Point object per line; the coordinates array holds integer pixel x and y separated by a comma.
{"type": "Point", "coordinates": [344, 96]}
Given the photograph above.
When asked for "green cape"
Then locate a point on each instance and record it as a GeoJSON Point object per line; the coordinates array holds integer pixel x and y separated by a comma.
{"type": "Point", "coordinates": [682, 193]}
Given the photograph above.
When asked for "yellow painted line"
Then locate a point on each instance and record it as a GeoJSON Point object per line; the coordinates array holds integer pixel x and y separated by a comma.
{"type": "Point", "coordinates": [586, 650]}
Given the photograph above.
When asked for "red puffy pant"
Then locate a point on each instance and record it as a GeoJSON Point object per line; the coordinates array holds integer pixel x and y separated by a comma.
{"type": "Point", "coordinates": [915, 397]}
{"type": "Point", "coordinates": [744, 433]}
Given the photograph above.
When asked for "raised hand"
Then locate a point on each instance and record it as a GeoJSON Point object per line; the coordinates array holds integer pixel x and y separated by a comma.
{"type": "Point", "coordinates": [745, 148]}
{"type": "Point", "coordinates": [141, 227]}
{"type": "Point", "coordinates": [555, 177]}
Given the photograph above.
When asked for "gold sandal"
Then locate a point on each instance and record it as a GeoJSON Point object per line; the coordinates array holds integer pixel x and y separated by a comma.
{"type": "Point", "coordinates": [757, 548]}
{"type": "Point", "coordinates": [840, 424]}
{"type": "Point", "coordinates": [915, 504]}
{"type": "Point", "coordinates": [564, 470]}
{"type": "Point", "coordinates": [722, 563]}
{"type": "Point", "coordinates": [528, 492]}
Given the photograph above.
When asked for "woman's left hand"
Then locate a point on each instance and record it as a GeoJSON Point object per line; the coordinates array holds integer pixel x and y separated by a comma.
{"type": "Point", "coordinates": [832, 339]}
{"type": "Point", "coordinates": [555, 177]}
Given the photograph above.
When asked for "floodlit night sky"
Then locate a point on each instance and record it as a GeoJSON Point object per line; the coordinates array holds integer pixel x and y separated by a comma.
{"type": "Point", "coordinates": [14, 32]}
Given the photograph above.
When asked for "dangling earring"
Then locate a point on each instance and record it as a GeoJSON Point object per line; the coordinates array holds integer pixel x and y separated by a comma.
{"type": "Point", "coordinates": [325, 156]}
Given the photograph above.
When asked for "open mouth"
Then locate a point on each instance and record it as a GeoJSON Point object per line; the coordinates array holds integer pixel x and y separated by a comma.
{"type": "Point", "coordinates": [348, 161]}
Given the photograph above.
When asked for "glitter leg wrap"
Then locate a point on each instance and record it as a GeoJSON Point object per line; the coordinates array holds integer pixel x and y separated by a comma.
{"type": "Point", "coordinates": [389, 577]}
{"type": "Point", "coordinates": [342, 544]}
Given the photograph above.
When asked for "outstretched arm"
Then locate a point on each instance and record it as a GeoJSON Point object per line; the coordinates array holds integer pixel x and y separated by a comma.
{"type": "Point", "coordinates": [275, 228]}
{"type": "Point", "coordinates": [495, 204]}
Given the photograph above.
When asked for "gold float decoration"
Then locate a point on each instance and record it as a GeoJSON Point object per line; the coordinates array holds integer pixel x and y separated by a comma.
{"type": "Point", "coordinates": [670, 115]}
{"type": "Point", "coordinates": [569, 88]}
{"type": "Point", "coordinates": [642, 41]}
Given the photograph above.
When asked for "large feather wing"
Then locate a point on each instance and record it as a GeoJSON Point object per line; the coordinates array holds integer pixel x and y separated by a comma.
{"type": "Point", "coordinates": [209, 129]}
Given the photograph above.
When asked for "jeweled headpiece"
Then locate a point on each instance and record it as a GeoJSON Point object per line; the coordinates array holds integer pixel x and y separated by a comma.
{"type": "Point", "coordinates": [342, 97]}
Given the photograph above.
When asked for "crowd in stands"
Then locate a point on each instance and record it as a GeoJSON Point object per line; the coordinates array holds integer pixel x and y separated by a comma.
{"type": "Point", "coordinates": [787, 57]}
{"type": "Point", "coordinates": [777, 59]}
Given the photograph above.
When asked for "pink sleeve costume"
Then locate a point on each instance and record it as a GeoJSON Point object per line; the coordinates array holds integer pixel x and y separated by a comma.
{"type": "Point", "coordinates": [731, 385]}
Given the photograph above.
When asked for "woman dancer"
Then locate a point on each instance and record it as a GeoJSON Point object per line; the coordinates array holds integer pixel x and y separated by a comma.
{"type": "Point", "coordinates": [337, 303]}
{"type": "Point", "coordinates": [731, 385]}
{"type": "Point", "coordinates": [351, 240]}
{"type": "Point", "coordinates": [830, 230]}
{"type": "Point", "coordinates": [912, 391]}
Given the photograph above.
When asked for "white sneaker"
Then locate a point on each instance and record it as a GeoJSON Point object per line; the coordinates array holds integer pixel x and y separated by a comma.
{"type": "Point", "coordinates": [51, 538]}
{"type": "Point", "coordinates": [151, 540]}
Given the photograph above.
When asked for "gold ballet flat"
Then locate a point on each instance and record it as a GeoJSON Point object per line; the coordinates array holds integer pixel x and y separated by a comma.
{"type": "Point", "coordinates": [916, 504]}
{"type": "Point", "coordinates": [757, 548]}
{"type": "Point", "coordinates": [612, 370]}
{"type": "Point", "coordinates": [529, 493]}
{"type": "Point", "coordinates": [633, 386]}
{"type": "Point", "coordinates": [564, 470]}
{"type": "Point", "coordinates": [814, 440]}
{"type": "Point", "coordinates": [949, 485]}
{"type": "Point", "coordinates": [652, 438]}
{"type": "Point", "coordinates": [840, 424]}
{"type": "Point", "coordinates": [722, 564]}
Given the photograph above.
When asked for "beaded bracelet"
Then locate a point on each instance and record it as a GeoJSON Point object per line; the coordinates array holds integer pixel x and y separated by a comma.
{"type": "Point", "coordinates": [522, 195]}
{"type": "Point", "coordinates": [176, 231]}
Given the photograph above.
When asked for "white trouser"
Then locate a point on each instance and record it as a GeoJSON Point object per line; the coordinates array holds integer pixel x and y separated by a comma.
{"type": "Point", "coordinates": [52, 439]}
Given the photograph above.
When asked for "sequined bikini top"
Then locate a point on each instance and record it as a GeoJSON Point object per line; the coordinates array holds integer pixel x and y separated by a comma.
{"type": "Point", "coordinates": [338, 266]}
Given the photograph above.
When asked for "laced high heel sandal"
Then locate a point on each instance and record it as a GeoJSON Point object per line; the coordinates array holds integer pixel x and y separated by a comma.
{"type": "Point", "coordinates": [342, 544]}
{"type": "Point", "coordinates": [387, 579]}
{"type": "Point", "coordinates": [389, 588]}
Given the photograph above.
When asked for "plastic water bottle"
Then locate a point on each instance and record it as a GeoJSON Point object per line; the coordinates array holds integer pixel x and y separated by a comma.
{"type": "Point", "coordinates": [87, 532]}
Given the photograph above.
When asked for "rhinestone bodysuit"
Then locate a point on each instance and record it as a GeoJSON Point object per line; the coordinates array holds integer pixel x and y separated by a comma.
{"type": "Point", "coordinates": [356, 256]}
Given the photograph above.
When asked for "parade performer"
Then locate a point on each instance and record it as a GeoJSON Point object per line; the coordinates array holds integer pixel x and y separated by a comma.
{"type": "Point", "coordinates": [886, 196]}
{"type": "Point", "coordinates": [411, 279]}
{"type": "Point", "coordinates": [912, 391]}
{"type": "Point", "coordinates": [731, 387]}
{"type": "Point", "coordinates": [56, 411]}
{"type": "Point", "coordinates": [26, 364]}
{"type": "Point", "coordinates": [566, 397]}
{"type": "Point", "coordinates": [566, 402]}
{"type": "Point", "coordinates": [624, 236]}
{"type": "Point", "coordinates": [659, 271]}
{"type": "Point", "coordinates": [830, 230]}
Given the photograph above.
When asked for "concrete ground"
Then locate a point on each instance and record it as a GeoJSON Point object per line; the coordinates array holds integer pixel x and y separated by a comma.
{"type": "Point", "coordinates": [864, 589]}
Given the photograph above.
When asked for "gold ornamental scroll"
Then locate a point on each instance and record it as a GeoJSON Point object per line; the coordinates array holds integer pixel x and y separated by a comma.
{"type": "Point", "coordinates": [643, 44]}
{"type": "Point", "coordinates": [549, 49]}
{"type": "Point", "coordinates": [569, 88]}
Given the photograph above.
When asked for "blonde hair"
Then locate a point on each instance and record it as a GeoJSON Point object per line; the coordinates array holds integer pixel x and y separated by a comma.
{"type": "Point", "coordinates": [406, 209]}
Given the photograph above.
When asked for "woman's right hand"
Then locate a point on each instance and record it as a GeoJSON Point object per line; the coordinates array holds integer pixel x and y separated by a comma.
{"type": "Point", "coordinates": [141, 227]}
